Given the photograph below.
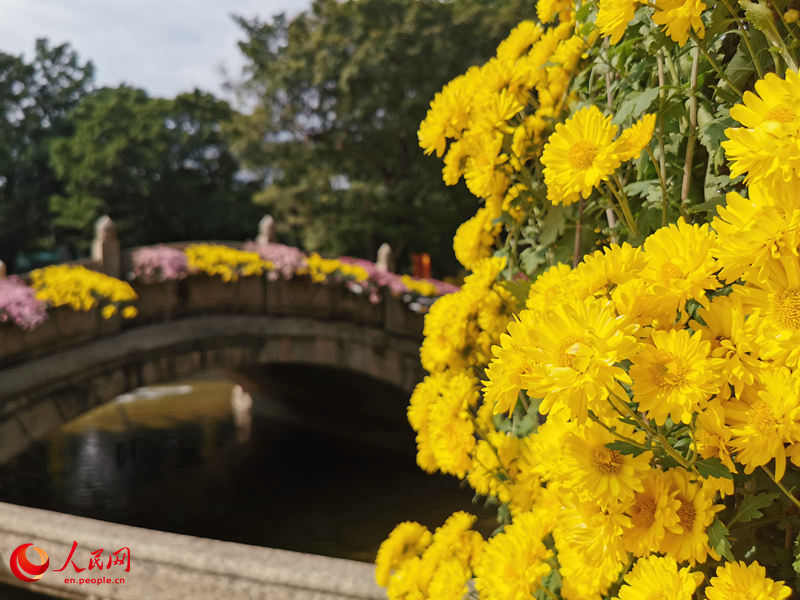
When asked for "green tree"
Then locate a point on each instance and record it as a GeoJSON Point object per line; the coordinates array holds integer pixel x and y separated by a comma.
{"type": "Point", "coordinates": [36, 98]}
{"type": "Point", "coordinates": [161, 168]}
{"type": "Point", "coordinates": [338, 93]}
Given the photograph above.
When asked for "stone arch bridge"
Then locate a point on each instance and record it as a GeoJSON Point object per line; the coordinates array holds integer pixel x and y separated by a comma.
{"type": "Point", "coordinates": [77, 360]}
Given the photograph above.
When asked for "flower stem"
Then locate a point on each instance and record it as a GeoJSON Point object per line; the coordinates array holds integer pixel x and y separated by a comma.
{"type": "Point", "coordinates": [690, 143]}
{"type": "Point", "coordinates": [660, 174]}
{"type": "Point", "coordinates": [715, 65]}
{"type": "Point", "coordinates": [781, 487]}
{"type": "Point", "coordinates": [745, 38]}
{"type": "Point", "coordinates": [576, 250]}
{"type": "Point", "coordinates": [625, 208]}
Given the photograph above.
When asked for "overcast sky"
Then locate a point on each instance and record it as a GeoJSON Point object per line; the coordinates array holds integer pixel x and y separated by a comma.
{"type": "Point", "coordinates": [163, 46]}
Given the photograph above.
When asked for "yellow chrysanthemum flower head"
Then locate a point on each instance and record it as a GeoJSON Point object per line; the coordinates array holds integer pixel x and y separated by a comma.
{"type": "Point", "coordinates": [678, 17]}
{"type": "Point", "coordinates": [680, 263]}
{"type": "Point", "coordinates": [675, 376]}
{"type": "Point", "coordinates": [765, 421]}
{"type": "Point", "coordinates": [754, 231]}
{"type": "Point", "coordinates": [695, 514]}
{"type": "Point", "coordinates": [406, 540]}
{"type": "Point", "coordinates": [582, 153]}
{"type": "Point", "coordinates": [600, 474]}
{"type": "Point", "coordinates": [659, 577]}
{"type": "Point", "coordinates": [579, 155]}
{"type": "Point", "coordinates": [735, 580]}
{"type": "Point", "coordinates": [613, 17]}
{"type": "Point", "coordinates": [514, 562]}
{"type": "Point", "coordinates": [767, 148]}
{"type": "Point", "coordinates": [653, 512]}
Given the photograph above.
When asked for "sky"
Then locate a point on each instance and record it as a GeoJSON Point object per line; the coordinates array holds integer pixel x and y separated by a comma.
{"type": "Point", "coordinates": [163, 46]}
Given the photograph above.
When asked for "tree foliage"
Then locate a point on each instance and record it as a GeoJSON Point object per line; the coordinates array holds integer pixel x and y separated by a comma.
{"type": "Point", "coordinates": [338, 93]}
{"type": "Point", "coordinates": [36, 98]}
{"type": "Point", "coordinates": [161, 168]}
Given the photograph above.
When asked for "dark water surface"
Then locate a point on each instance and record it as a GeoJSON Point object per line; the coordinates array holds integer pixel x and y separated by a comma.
{"type": "Point", "coordinates": [324, 463]}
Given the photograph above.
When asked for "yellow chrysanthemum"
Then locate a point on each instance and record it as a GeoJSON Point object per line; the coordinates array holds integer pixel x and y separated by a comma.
{"type": "Point", "coordinates": [764, 422]}
{"type": "Point", "coordinates": [514, 562]}
{"type": "Point", "coordinates": [582, 153]}
{"type": "Point", "coordinates": [451, 431]}
{"type": "Point", "coordinates": [579, 155]}
{"type": "Point", "coordinates": [756, 230]}
{"type": "Point", "coordinates": [774, 300]}
{"type": "Point", "coordinates": [590, 549]}
{"type": "Point", "coordinates": [736, 580]}
{"type": "Point", "coordinates": [449, 582]}
{"type": "Point", "coordinates": [767, 147]}
{"type": "Point", "coordinates": [635, 138]}
{"type": "Point", "coordinates": [519, 41]}
{"type": "Point", "coordinates": [680, 264]}
{"type": "Point", "coordinates": [598, 473]}
{"type": "Point", "coordinates": [653, 512]}
{"type": "Point", "coordinates": [658, 577]}
{"type": "Point", "coordinates": [605, 269]}
{"type": "Point", "coordinates": [675, 376]}
{"type": "Point", "coordinates": [574, 356]}
{"type": "Point", "coordinates": [408, 539]}
{"type": "Point", "coordinates": [712, 437]}
{"type": "Point", "coordinates": [79, 288]}
{"type": "Point", "coordinates": [547, 10]}
{"type": "Point", "coordinates": [475, 238]}
{"type": "Point", "coordinates": [695, 514]}
{"type": "Point", "coordinates": [734, 339]}
{"type": "Point", "coordinates": [613, 17]}
{"type": "Point", "coordinates": [678, 16]}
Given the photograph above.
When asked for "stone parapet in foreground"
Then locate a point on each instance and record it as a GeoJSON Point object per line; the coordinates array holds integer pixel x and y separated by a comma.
{"type": "Point", "coordinates": [168, 566]}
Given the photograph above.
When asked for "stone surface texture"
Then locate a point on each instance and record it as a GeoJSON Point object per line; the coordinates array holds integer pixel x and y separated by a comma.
{"type": "Point", "coordinates": [168, 566]}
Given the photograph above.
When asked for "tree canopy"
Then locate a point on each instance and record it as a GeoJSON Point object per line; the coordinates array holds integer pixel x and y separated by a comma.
{"type": "Point", "coordinates": [160, 168]}
{"type": "Point", "coordinates": [338, 93]}
{"type": "Point", "coordinates": [36, 98]}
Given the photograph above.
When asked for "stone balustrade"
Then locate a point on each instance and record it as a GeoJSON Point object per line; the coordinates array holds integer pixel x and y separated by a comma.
{"type": "Point", "coordinates": [168, 566]}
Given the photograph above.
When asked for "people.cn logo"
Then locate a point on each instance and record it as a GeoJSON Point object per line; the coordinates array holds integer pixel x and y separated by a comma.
{"type": "Point", "coordinates": [23, 569]}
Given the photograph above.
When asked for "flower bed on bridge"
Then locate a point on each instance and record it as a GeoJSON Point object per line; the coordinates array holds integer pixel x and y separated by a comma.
{"type": "Point", "coordinates": [155, 272]}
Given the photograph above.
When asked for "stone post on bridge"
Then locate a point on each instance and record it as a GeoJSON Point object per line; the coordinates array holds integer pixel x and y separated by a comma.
{"type": "Point", "coordinates": [384, 259]}
{"type": "Point", "coordinates": [266, 231]}
{"type": "Point", "coordinates": [105, 246]}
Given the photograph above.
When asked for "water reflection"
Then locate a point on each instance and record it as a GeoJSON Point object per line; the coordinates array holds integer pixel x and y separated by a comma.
{"type": "Point", "coordinates": [319, 462]}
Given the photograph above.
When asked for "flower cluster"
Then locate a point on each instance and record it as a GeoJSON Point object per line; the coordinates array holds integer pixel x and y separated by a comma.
{"type": "Point", "coordinates": [679, 18]}
{"type": "Point", "coordinates": [158, 263]}
{"type": "Point", "coordinates": [82, 289]}
{"type": "Point", "coordinates": [488, 121]}
{"type": "Point", "coordinates": [286, 260]}
{"type": "Point", "coordinates": [329, 269]}
{"type": "Point", "coordinates": [636, 416]}
{"type": "Point", "coordinates": [225, 262]}
{"type": "Point", "coordinates": [19, 304]}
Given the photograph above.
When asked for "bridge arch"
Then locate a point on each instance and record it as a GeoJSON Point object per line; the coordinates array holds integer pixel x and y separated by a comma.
{"type": "Point", "coordinates": [293, 321]}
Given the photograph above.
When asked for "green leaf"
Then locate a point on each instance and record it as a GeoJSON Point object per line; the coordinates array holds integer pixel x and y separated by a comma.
{"type": "Point", "coordinates": [713, 467]}
{"type": "Point", "coordinates": [531, 259]}
{"type": "Point", "coordinates": [635, 104]}
{"type": "Point", "coordinates": [553, 225]}
{"type": "Point", "coordinates": [718, 539]}
{"type": "Point", "coordinates": [519, 289]}
{"type": "Point", "coordinates": [796, 563]}
{"type": "Point", "coordinates": [625, 448]}
{"type": "Point", "coordinates": [752, 506]}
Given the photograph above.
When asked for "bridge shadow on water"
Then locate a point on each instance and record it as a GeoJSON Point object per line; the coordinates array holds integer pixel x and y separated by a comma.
{"type": "Point", "coordinates": [322, 461]}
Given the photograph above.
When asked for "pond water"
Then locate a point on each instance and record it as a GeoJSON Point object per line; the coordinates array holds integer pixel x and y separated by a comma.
{"type": "Point", "coordinates": [323, 462]}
